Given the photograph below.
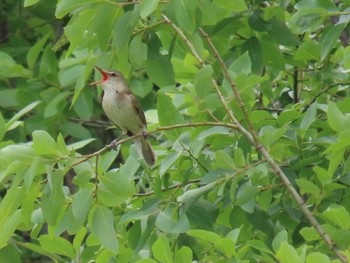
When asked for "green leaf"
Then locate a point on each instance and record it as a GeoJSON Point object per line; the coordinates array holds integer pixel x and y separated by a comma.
{"type": "Point", "coordinates": [317, 257]}
{"type": "Point", "coordinates": [310, 234]}
{"type": "Point", "coordinates": [338, 215]}
{"type": "Point", "coordinates": [237, 5]}
{"type": "Point", "coordinates": [10, 254]}
{"type": "Point", "coordinates": [124, 27]}
{"type": "Point", "coordinates": [204, 82]}
{"type": "Point", "coordinates": [161, 250]}
{"type": "Point", "coordinates": [56, 105]}
{"type": "Point", "coordinates": [281, 34]}
{"type": "Point", "coordinates": [79, 145]}
{"type": "Point", "coordinates": [2, 127]}
{"type": "Point", "coordinates": [168, 221]}
{"type": "Point", "coordinates": [217, 130]}
{"type": "Point", "coordinates": [257, 22]}
{"type": "Point", "coordinates": [168, 162]}
{"type": "Point", "coordinates": [308, 50]}
{"type": "Point", "coordinates": [183, 255]}
{"type": "Point", "coordinates": [272, 55]}
{"type": "Point", "coordinates": [309, 118]}
{"type": "Point", "coordinates": [191, 196]}
{"type": "Point", "coordinates": [82, 202]}
{"type": "Point", "coordinates": [224, 160]}
{"type": "Point", "coordinates": [79, 238]}
{"type": "Point", "coordinates": [241, 65]}
{"type": "Point", "coordinates": [239, 158]}
{"type": "Point", "coordinates": [279, 239]}
{"type": "Point", "coordinates": [225, 246]}
{"type": "Point", "coordinates": [138, 49]}
{"type": "Point", "coordinates": [76, 130]}
{"type": "Point", "coordinates": [336, 119]}
{"type": "Point", "coordinates": [253, 46]}
{"type": "Point", "coordinates": [44, 144]}
{"type": "Point", "coordinates": [30, 2]}
{"type": "Point", "coordinates": [103, 228]}
{"type": "Point", "coordinates": [147, 260]}
{"type": "Point", "coordinates": [114, 188]}
{"type": "Point", "coordinates": [13, 154]}
{"type": "Point", "coordinates": [185, 13]}
{"type": "Point", "coordinates": [308, 19]}
{"type": "Point", "coordinates": [9, 68]}
{"type": "Point", "coordinates": [150, 207]}
{"type": "Point", "coordinates": [57, 245]}
{"type": "Point", "coordinates": [287, 254]}
{"type": "Point", "coordinates": [9, 98]}
{"type": "Point", "coordinates": [245, 193]}
{"type": "Point", "coordinates": [52, 205]}
{"type": "Point", "coordinates": [147, 7]}
{"type": "Point", "coordinates": [9, 227]}
{"type": "Point", "coordinates": [168, 114]}
{"type": "Point", "coordinates": [66, 6]}
{"type": "Point", "coordinates": [84, 105]}
{"type": "Point", "coordinates": [158, 67]}
{"type": "Point", "coordinates": [260, 245]}
{"type": "Point", "coordinates": [35, 50]}
{"type": "Point", "coordinates": [32, 172]}
{"type": "Point", "coordinates": [329, 38]}
{"type": "Point", "coordinates": [209, 236]}
{"type": "Point", "coordinates": [19, 114]}
{"type": "Point", "coordinates": [307, 187]}
{"type": "Point", "coordinates": [61, 146]}
{"type": "Point", "coordinates": [289, 116]}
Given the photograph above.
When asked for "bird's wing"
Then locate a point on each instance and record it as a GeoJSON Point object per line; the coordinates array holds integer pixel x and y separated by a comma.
{"type": "Point", "coordinates": [137, 108]}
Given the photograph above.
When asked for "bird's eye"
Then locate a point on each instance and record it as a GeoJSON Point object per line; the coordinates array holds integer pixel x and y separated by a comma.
{"type": "Point", "coordinates": [114, 74]}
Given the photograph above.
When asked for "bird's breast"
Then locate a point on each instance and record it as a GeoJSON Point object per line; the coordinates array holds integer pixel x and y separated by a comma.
{"type": "Point", "coordinates": [119, 109]}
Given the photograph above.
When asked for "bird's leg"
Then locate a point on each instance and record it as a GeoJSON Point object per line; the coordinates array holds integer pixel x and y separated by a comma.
{"type": "Point", "coordinates": [144, 134]}
{"type": "Point", "coordinates": [114, 143]}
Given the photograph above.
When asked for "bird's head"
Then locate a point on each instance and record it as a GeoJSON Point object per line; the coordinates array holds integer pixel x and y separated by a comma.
{"type": "Point", "coordinates": [109, 77]}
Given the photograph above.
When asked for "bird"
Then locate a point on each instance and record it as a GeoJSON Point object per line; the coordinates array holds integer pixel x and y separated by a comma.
{"type": "Point", "coordinates": [123, 109]}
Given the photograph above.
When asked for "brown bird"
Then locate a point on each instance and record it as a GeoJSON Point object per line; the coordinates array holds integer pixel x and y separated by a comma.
{"type": "Point", "coordinates": [122, 108]}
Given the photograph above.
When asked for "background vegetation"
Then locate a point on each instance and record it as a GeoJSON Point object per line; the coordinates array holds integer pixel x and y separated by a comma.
{"type": "Point", "coordinates": [247, 104]}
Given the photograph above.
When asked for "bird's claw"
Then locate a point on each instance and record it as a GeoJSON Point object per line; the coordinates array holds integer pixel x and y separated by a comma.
{"type": "Point", "coordinates": [144, 134]}
{"type": "Point", "coordinates": [114, 144]}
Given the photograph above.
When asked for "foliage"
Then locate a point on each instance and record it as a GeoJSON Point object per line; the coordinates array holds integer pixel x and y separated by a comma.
{"type": "Point", "coordinates": [247, 101]}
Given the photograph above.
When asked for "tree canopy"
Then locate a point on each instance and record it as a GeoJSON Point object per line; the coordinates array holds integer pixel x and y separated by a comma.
{"type": "Point", "coordinates": [247, 111]}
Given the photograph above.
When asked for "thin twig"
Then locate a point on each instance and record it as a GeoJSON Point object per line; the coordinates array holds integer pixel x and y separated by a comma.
{"type": "Point", "coordinates": [326, 89]}
{"type": "Point", "coordinates": [233, 87]}
{"type": "Point", "coordinates": [202, 63]}
{"type": "Point", "coordinates": [195, 181]}
{"type": "Point", "coordinates": [148, 27]}
{"type": "Point", "coordinates": [122, 4]}
{"type": "Point", "coordinates": [96, 179]}
{"type": "Point", "coordinates": [164, 128]}
{"type": "Point", "coordinates": [253, 138]}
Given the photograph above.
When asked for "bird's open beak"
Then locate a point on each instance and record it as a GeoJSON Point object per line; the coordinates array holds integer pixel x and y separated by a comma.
{"type": "Point", "coordinates": [104, 76]}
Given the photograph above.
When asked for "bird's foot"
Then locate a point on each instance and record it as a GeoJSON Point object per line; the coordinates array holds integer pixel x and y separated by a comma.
{"type": "Point", "coordinates": [114, 144]}
{"type": "Point", "coordinates": [144, 134]}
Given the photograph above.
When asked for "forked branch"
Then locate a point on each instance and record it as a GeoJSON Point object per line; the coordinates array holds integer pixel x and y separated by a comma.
{"type": "Point", "coordinates": [251, 134]}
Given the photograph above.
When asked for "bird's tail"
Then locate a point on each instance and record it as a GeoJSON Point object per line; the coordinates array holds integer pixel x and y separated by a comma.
{"type": "Point", "coordinates": [145, 150]}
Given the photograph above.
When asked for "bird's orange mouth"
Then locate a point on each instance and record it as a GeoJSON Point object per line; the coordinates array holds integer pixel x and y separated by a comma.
{"type": "Point", "coordinates": [104, 76]}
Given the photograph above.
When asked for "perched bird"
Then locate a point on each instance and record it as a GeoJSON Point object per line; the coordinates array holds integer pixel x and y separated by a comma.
{"type": "Point", "coordinates": [122, 108]}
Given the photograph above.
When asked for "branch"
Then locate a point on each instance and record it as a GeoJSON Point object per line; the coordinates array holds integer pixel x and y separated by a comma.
{"type": "Point", "coordinates": [234, 89]}
{"type": "Point", "coordinates": [218, 181]}
{"type": "Point", "coordinates": [202, 63]}
{"type": "Point", "coordinates": [122, 4]}
{"type": "Point", "coordinates": [113, 144]}
{"type": "Point", "coordinates": [251, 135]}
{"type": "Point", "coordinates": [326, 89]}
